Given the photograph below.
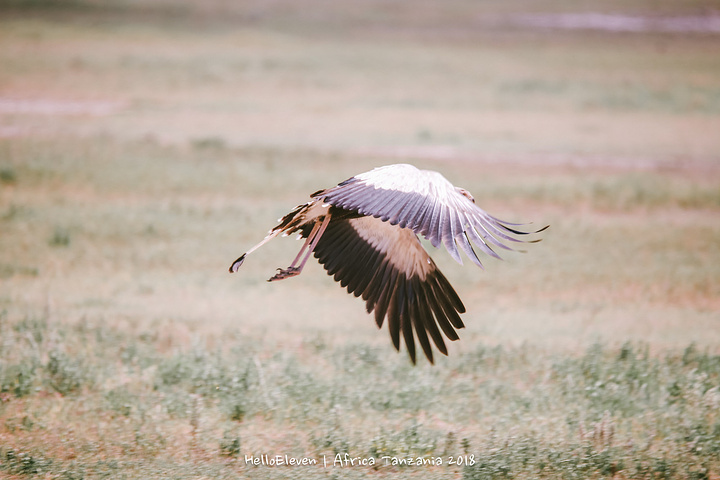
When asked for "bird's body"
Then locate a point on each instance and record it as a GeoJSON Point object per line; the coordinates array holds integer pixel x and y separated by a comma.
{"type": "Point", "coordinates": [365, 233]}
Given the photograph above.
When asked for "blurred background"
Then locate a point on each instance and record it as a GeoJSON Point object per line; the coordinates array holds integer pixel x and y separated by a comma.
{"type": "Point", "coordinates": [144, 145]}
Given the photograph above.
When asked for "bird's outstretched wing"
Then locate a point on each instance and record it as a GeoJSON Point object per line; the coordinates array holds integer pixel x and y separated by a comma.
{"type": "Point", "coordinates": [396, 277]}
{"type": "Point", "coordinates": [428, 204]}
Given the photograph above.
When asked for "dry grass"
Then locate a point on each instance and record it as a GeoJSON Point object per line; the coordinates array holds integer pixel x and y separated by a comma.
{"type": "Point", "coordinates": [142, 152]}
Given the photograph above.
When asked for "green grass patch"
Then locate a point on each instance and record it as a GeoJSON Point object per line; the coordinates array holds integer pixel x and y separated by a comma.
{"type": "Point", "coordinates": [607, 412]}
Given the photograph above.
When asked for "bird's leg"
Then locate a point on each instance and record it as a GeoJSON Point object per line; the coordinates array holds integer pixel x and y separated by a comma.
{"type": "Point", "coordinates": [312, 239]}
{"type": "Point", "coordinates": [307, 242]}
{"type": "Point", "coordinates": [319, 234]}
{"type": "Point", "coordinates": [292, 270]}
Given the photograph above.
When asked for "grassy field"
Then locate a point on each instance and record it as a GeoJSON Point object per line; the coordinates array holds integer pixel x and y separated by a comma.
{"type": "Point", "coordinates": [145, 145]}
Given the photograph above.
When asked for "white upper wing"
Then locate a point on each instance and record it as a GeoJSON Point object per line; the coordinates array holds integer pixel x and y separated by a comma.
{"type": "Point", "coordinates": [427, 203]}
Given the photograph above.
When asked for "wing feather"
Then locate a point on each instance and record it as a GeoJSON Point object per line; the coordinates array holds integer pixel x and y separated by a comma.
{"type": "Point", "coordinates": [388, 267]}
{"type": "Point", "coordinates": [436, 224]}
{"type": "Point", "coordinates": [494, 228]}
{"type": "Point", "coordinates": [417, 219]}
{"type": "Point", "coordinates": [426, 314]}
{"type": "Point", "coordinates": [386, 290]}
{"type": "Point", "coordinates": [403, 216]}
{"type": "Point", "coordinates": [356, 275]}
{"type": "Point", "coordinates": [403, 302]}
{"type": "Point", "coordinates": [449, 314]}
{"type": "Point", "coordinates": [371, 294]}
{"type": "Point", "coordinates": [428, 204]}
{"type": "Point", "coordinates": [450, 230]}
{"type": "Point", "coordinates": [440, 316]}
{"type": "Point", "coordinates": [417, 317]}
{"type": "Point", "coordinates": [395, 204]}
{"type": "Point", "coordinates": [464, 242]}
{"type": "Point", "coordinates": [480, 242]}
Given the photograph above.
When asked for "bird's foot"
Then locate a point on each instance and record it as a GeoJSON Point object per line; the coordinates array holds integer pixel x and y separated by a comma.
{"type": "Point", "coordinates": [285, 273]}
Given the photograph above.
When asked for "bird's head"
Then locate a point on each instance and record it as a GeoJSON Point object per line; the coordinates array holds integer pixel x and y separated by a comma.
{"type": "Point", "coordinates": [465, 193]}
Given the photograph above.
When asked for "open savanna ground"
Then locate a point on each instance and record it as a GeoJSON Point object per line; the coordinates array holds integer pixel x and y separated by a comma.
{"type": "Point", "coordinates": [144, 146]}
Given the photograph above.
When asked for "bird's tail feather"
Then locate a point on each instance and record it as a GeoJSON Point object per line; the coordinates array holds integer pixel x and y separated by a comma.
{"type": "Point", "coordinates": [237, 263]}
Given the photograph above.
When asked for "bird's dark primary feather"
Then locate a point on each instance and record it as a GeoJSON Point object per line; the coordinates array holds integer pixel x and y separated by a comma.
{"type": "Point", "coordinates": [409, 302]}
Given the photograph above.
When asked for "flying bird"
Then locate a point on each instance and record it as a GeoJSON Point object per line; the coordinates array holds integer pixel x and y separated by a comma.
{"type": "Point", "coordinates": [365, 233]}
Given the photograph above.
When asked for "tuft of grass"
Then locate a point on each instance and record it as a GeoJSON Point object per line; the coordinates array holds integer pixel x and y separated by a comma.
{"type": "Point", "coordinates": [8, 175]}
{"type": "Point", "coordinates": [121, 400]}
{"type": "Point", "coordinates": [60, 237]}
{"type": "Point", "coordinates": [18, 379]}
{"type": "Point", "coordinates": [230, 445]}
{"type": "Point", "coordinates": [20, 463]}
{"type": "Point", "coordinates": [65, 374]}
{"type": "Point", "coordinates": [209, 143]}
{"type": "Point", "coordinates": [411, 441]}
